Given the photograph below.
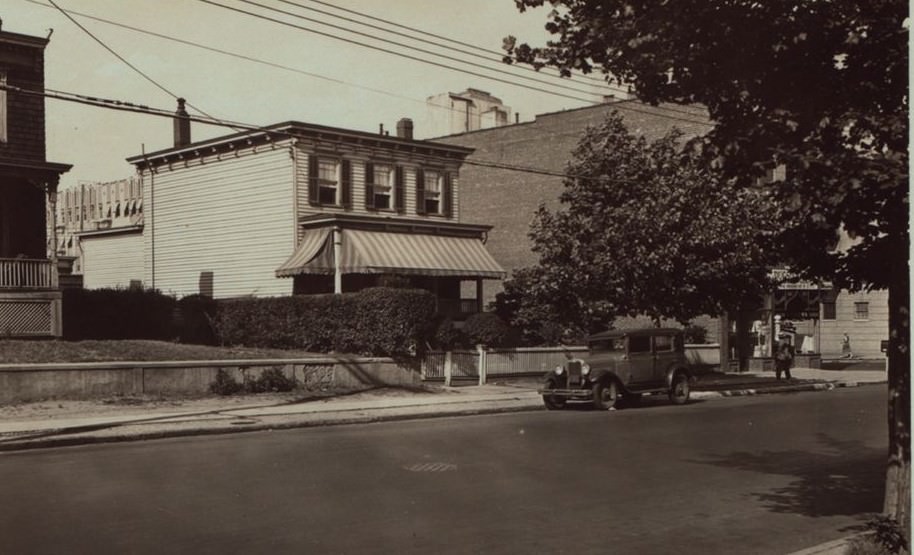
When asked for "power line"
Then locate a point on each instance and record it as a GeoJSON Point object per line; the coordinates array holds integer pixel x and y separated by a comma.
{"type": "Point", "coordinates": [331, 79]}
{"type": "Point", "coordinates": [441, 37]}
{"type": "Point", "coordinates": [121, 58]}
{"type": "Point", "coordinates": [393, 52]}
{"type": "Point", "coordinates": [413, 36]}
{"type": "Point", "coordinates": [238, 55]}
{"type": "Point", "coordinates": [125, 106]}
{"type": "Point", "coordinates": [421, 50]}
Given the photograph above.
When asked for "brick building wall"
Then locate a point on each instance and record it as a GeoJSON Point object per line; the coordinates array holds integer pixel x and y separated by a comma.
{"type": "Point", "coordinates": [22, 65]}
{"type": "Point", "coordinates": [508, 199]}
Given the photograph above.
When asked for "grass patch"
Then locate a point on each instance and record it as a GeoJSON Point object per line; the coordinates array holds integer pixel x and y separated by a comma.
{"type": "Point", "coordinates": [24, 352]}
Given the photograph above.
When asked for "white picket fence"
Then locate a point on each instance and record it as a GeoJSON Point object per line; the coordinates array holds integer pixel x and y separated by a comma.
{"type": "Point", "coordinates": [481, 364]}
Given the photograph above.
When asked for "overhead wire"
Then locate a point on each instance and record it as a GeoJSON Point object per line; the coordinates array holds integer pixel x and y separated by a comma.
{"type": "Point", "coordinates": [440, 37]}
{"type": "Point", "coordinates": [421, 50]}
{"type": "Point", "coordinates": [395, 53]}
{"type": "Point", "coordinates": [330, 79]}
{"type": "Point", "coordinates": [125, 106]}
{"type": "Point", "coordinates": [119, 57]}
{"type": "Point", "coordinates": [498, 59]}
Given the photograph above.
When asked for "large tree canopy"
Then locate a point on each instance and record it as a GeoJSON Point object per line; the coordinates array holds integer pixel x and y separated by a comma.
{"type": "Point", "coordinates": [818, 86]}
{"type": "Point", "coordinates": [645, 228]}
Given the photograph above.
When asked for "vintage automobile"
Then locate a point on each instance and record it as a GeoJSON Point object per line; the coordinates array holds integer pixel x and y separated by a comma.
{"type": "Point", "coordinates": [622, 364]}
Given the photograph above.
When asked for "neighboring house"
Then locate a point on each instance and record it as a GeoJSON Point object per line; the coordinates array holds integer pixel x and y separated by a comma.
{"type": "Point", "coordinates": [30, 299]}
{"type": "Point", "coordinates": [472, 109]}
{"type": "Point", "coordinates": [100, 228]}
{"type": "Point", "coordinates": [298, 208]}
{"type": "Point", "coordinates": [494, 190]}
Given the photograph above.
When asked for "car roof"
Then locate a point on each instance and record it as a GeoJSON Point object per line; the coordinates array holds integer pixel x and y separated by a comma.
{"type": "Point", "coordinates": [609, 334]}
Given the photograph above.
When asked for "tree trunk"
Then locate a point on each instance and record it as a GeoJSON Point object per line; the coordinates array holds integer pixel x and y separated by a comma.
{"type": "Point", "coordinates": [898, 477]}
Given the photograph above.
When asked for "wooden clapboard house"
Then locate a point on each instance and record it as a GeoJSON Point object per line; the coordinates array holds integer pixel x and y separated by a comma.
{"type": "Point", "coordinates": [297, 208]}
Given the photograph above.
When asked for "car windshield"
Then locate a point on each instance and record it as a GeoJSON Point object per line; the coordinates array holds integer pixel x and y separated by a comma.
{"type": "Point", "coordinates": [610, 344]}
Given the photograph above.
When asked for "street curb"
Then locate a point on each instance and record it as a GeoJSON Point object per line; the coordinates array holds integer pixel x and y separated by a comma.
{"type": "Point", "coordinates": [834, 547]}
{"type": "Point", "coordinates": [42, 443]}
{"type": "Point", "coordinates": [28, 445]}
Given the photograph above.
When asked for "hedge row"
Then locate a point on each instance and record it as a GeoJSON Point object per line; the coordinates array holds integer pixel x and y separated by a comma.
{"type": "Point", "coordinates": [379, 321]}
{"type": "Point", "coordinates": [117, 314]}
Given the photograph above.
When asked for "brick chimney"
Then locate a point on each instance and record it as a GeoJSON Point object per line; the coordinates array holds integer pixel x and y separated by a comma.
{"type": "Point", "coordinates": [405, 128]}
{"type": "Point", "coordinates": [182, 125]}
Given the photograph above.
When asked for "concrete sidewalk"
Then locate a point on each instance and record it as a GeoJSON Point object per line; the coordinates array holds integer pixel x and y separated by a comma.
{"type": "Point", "coordinates": [42, 427]}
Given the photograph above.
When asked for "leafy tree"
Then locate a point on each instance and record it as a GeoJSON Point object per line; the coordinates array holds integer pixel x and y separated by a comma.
{"type": "Point", "coordinates": [645, 228]}
{"type": "Point", "coordinates": [820, 87]}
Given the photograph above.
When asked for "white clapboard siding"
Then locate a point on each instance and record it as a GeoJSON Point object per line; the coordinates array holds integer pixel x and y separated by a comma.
{"type": "Point", "coordinates": [358, 188]}
{"type": "Point", "coordinates": [112, 260]}
{"type": "Point", "coordinates": [865, 334]}
{"type": "Point", "coordinates": [232, 217]}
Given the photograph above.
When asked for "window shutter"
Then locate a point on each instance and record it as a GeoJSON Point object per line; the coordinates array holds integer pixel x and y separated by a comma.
{"type": "Point", "coordinates": [313, 198]}
{"type": "Point", "coordinates": [448, 193]}
{"type": "Point", "coordinates": [369, 185]}
{"type": "Point", "coordinates": [346, 179]}
{"type": "Point", "coordinates": [399, 193]}
{"type": "Point", "coordinates": [420, 192]}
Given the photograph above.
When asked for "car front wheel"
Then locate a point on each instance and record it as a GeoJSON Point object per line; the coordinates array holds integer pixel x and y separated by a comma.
{"type": "Point", "coordinates": [679, 389]}
{"type": "Point", "coordinates": [605, 395]}
{"type": "Point", "coordinates": [553, 402]}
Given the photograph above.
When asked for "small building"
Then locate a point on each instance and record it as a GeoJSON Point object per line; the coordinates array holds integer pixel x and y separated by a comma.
{"type": "Point", "coordinates": [100, 229]}
{"type": "Point", "coordinates": [297, 208]}
{"type": "Point", "coordinates": [30, 298]}
{"type": "Point", "coordinates": [450, 113]}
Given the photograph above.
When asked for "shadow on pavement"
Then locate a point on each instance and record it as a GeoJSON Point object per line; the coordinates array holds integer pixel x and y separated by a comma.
{"type": "Point", "coordinates": [848, 481]}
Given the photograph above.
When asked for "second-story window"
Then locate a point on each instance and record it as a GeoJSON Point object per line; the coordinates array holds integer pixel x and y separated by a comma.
{"type": "Point", "coordinates": [432, 194]}
{"type": "Point", "coordinates": [380, 186]}
{"type": "Point", "coordinates": [328, 181]}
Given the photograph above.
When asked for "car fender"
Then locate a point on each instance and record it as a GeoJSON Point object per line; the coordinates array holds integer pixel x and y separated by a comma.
{"type": "Point", "coordinates": [675, 369]}
{"type": "Point", "coordinates": [598, 375]}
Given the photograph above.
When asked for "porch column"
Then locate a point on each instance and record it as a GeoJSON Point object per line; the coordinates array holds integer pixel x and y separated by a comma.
{"type": "Point", "coordinates": [478, 294]}
{"type": "Point", "coordinates": [337, 262]}
{"type": "Point", "coordinates": [51, 203]}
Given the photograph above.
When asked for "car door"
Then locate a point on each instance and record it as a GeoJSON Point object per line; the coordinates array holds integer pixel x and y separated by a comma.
{"type": "Point", "coordinates": [641, 360]}
{"type": "Point", "coordinates": [665, 355]}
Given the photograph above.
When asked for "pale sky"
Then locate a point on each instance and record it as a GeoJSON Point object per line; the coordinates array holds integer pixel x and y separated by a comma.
{"type": "Point", "coordinates": [376, 87]}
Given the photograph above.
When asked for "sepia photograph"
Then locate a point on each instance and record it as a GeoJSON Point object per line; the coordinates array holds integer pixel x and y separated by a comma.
{"type": "Point", "coordinates": [455, 276]}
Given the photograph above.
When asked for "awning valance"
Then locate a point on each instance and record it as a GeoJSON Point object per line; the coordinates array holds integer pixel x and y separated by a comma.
{"type": "Point", "coordinates": [381, 252]}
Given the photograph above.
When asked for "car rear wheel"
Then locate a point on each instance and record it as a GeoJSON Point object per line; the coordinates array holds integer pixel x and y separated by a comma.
{"type": "Point", "coordinates": [605, 395]}
{"type": "Point", "coordinates": [679, 389]}
{"type": "Point", "coordinates": [553, 402]}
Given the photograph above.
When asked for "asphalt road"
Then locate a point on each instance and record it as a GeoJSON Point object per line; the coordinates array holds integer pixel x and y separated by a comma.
{"type": "Point", "coordinates": [767, 474]}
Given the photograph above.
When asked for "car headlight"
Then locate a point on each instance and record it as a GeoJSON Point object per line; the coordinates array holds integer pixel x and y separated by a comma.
{"type": "Point", "coordinates": [585, 369]}
{"type": "Point", "coordinates": [559, 370]}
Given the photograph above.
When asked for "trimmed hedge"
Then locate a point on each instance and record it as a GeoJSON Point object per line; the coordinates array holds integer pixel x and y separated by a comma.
{"type": "Point", "coordinates": [117, 314]}
{"type": "Point", "coordinates": [380, 321]}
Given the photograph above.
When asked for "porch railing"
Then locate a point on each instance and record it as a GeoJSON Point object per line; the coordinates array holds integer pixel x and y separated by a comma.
{"type": "Point", "coordinates": [25, 273]}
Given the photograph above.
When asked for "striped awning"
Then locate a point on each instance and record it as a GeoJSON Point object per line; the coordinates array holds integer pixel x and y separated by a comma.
{"type": "Point", "coordinates": [379, 252]}
{"type": "Point", "coordinates": [308, 249]}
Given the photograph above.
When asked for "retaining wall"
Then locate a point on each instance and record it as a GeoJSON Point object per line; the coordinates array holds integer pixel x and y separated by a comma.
{"type": "Point", "coordinates": [29, 382]}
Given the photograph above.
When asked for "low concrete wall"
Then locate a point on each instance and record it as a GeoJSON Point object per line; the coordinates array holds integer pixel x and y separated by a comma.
{"type": "Point", "coordinates": [707, 354]}
{"type": "Point", "coordinates": [29, 382]}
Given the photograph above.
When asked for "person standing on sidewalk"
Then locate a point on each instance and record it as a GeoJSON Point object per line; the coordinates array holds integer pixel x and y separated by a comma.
{"type": "Point", "coordinates": [783, 357]}
{"type": "Point", "coordinates": [846, 351]}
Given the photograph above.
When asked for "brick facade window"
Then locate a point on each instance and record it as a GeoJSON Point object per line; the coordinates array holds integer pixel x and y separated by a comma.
{"type": "Point", "coordinates": [862, 311]}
